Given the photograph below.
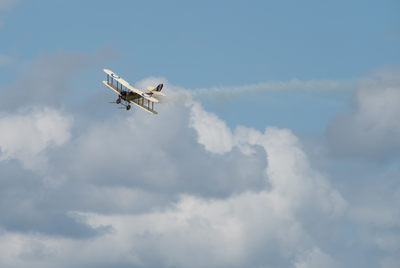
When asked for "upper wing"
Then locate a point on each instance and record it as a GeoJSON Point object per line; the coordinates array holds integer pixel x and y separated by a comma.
{"type": "Point", "coordinates": [128, 86]}
{"type": "Point", "coordinates": [109, 86]}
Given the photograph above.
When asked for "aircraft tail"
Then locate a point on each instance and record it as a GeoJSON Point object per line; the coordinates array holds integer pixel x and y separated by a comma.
{"type": "Point", "coordinates": [156, 90]}
{"type": "Point", "coordinates": [159, 87]}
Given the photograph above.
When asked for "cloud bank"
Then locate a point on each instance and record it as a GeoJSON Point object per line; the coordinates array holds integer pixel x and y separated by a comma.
{"type": "Point", "coordinates": [192, 230]}
{"type": "Point", "coordinates": [183, 189]}
{"type": "Point", "coordinates": [25, 136]}
{"type": "Point", "coordinates": [371, 129]}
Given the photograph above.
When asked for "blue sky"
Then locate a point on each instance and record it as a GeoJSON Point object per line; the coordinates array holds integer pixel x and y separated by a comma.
{"type": "Point", "coordinates": [198, 44]}
{"type": "Point", "coordinates": [215, 42]}
{"type": "Point", "coordinates": [286, 153]}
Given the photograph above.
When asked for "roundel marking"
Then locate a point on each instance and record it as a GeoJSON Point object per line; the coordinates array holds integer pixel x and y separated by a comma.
{"type": "Point", "coordinates": [115, 76]}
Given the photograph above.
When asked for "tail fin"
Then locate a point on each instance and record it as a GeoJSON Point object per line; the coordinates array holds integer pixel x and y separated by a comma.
{"type": "Point", "coordinates": [156, 90]}
{"type": "Point", "coordinates": [159, 87]}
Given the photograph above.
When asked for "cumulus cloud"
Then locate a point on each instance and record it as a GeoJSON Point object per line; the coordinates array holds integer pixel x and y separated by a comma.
{"type": "Point", "coordinates": [288, 169]}
{"type": "Point", "coordinates": [24, 136]}
{"type": "Point", "coordinates": [193, 230]}
{"type": "Point", "coordinates": [375, 211]}
{"type": "Point", "coordinates": [371, 129]}
{"type": "Point", "coordinates": [212, 132]}
{"type": "Point", "coordinates": [315, 259]}
{"type": "Point", "coordinates": [180, 189]}
{"type": "Point", "coordinates": [197, 232]}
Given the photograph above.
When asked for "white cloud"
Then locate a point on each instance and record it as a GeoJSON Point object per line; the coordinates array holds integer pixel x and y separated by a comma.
{"type": "Point", "coordinates": [212, 132]}
{"type": "Point", "coordinates": [199, 232]}
{"type": "Point", "coordinates": [253, 227]}
{"type": "Point", "coordinates": [179, 189]}
{"type": "Point", "coordinates": [24, 136]}
{"type": "Point", "coordinates": [315, 258]}
{"type": "Point", "coordinates": [288, 169]}
{"type": "Point", "coordinates": [371, 129]}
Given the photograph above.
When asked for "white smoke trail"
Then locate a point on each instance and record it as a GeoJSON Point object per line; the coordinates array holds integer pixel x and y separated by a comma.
{"type": "Point", "coordinates": [292, 85]}
{"type": "Point", "coordinates": [175, 94]}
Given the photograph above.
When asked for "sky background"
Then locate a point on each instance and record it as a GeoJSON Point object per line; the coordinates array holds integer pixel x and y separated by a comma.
{"type": "Point", "coordinates": [277, 146]}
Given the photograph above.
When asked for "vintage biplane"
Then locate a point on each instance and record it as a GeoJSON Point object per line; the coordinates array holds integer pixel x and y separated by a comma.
{"type": "Point", "coordinates": [127, 94]}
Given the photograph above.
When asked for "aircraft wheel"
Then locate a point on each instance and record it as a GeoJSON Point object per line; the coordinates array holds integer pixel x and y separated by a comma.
{"type": "Point", "coordinates": [128, 107]}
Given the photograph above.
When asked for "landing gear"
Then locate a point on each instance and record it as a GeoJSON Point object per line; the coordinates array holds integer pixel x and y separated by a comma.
{"type": "Point", "coordinates": [122, 101]}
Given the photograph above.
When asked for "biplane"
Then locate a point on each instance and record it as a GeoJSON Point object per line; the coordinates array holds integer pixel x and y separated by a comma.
{"type": "Point", "coordinates": [127, 94]}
